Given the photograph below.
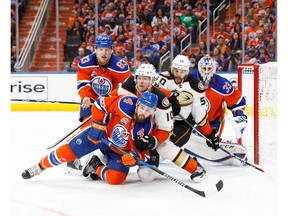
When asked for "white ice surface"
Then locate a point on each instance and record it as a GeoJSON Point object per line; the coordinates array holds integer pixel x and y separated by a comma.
{"type": "Point", "coordinates": [246, 191]}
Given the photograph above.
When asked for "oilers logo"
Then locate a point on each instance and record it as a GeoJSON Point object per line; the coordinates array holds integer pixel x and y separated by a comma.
{"type": "Point", "coordinates": [119, 135]}
{"type": "Point", "coordinates": [101, 86]}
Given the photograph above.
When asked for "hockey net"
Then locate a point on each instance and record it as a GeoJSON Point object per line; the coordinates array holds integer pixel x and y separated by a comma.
{"type": "Point", "coordinates": [258, 83]}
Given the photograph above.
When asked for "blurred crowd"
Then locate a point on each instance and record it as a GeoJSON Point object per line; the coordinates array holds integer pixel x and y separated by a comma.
{"type": "Point", "coordinates": [153, 33]}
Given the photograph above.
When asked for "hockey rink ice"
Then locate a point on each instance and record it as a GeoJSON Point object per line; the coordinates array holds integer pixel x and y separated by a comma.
{"type": "Point", "coordinates": [246, 191]}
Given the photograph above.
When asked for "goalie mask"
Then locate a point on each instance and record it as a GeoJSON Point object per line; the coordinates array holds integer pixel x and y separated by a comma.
{"type": "Point", "coordinates": [180, 67]}
{"type": "Point", "coordinates": [207, 68]}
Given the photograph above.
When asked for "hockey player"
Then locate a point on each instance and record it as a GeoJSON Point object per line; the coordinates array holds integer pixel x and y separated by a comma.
{"type": "Point", "coordinates": [98, 74]}
{"type": "Point", "coordinates": [191, 99]}
{"type": "Point", "coordinates": [113, 119]}
{"type": "Point", "coordinates": [135, 86]}
{"type": "Point", "coordinates": [194, 108]}
{"type": "Point", "coordinates": [219, 93]}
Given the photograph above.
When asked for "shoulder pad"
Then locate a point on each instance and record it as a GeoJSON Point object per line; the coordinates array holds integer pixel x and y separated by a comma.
{"type": "Point", "coordinates": [195, 83]}
{"type": "Point", "coordinates": [129, 84]}
{"type": "Point", "coordinates": [127, 105]}
{"type": "Point", "coordinates": [89, 60]}
{"type": "Point", "coordinates": [163, 102]}
{"type": "Point", "coordinates": [118, 65]}
{"type": "Point", "coordinates": [223, 85]}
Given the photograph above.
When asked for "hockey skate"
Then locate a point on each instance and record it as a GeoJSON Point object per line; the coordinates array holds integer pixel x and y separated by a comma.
{"type": "Point", "coordinates": [199, 175]}
{"type": "Point", "coordinates": [32, 171]}
{"type": "Point", "coordinates": [74, 168]}
{"type": "Point", "coordinates": [89, 170]}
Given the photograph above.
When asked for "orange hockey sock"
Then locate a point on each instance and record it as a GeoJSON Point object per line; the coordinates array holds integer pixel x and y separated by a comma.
{"type": "Point", "coordinates": [185, 161]}
{"type": "Point", "coordinates": [113, 177]}
{"type": "Point", "coordinates": [60, 155]}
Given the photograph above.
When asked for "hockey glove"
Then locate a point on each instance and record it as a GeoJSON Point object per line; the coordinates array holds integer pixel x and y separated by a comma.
{"type": "Point", "coordinates": [213, 140]}
{"type": "Point", "coordinates": [239, 122]}
{"type": "Point", "coordinates": [154, 158]}
{"type": "Point", "coordinates": [130, 159]}
{"type": "Point", "coordinates": [96, 132]}
{"type": "Point", "coordinates": [176, 108]}
{"type": "Point", "coordinates": [146, 143]}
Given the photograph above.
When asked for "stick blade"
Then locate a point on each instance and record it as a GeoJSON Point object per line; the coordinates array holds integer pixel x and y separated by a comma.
{"type": "Point", "coordinates": [215, 189]}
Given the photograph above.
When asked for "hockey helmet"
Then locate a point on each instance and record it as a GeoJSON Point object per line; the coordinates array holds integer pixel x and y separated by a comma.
{"type": "Point", "coordinates": [181, 62]}
{"type": "Point", "coordinates": [148, 99]}
{"type": "Point", "coordinates": [103, 41]}
{"type": "Point", "coordinates": [146, 70]}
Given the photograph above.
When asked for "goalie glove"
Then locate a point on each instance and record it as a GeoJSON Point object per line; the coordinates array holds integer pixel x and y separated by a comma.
{"type": "Point", "coordinates": [213, 141]}
{"type": "Point", "coordinates": [146, 143]}
{"type": "Point", "coordinates": [239, 122]}
{"type": "Point", "coordinates": [96, 132]}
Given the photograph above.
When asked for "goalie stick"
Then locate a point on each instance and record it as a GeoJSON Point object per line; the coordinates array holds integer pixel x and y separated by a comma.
{"type": "Point", "coordinates": [71, 132]}
{"type": "Point", "coordinates": [44, 101]}
{"type": "Point", "coordinates": [204, 193]}
{"type": "Point", "coordinates": [224, 150]}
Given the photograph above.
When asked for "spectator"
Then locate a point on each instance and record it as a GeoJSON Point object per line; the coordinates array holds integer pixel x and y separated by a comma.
{"type": "Point", "coordinates": [234, 60]}
{"type": "Point", "coordinates": [84, 46]}
{"type": "Point", "coordinates": [199, 11]}
{"type": "Point", "coordinates": [180, 31]}
{"type": "Point", "coordinates": [236, 42]}
{"type": "Point", "coordinates": [250, 57]}
{"type": "Point", "coordinates": [225, 50]}
{"type": "Point", "coordinates": [120, 53]}
{"type": "Point", "coordinates": [139, 59]}
{"type": "Point", "coordinates": [144, 4]}
{"type": "Point", "coordinates": [159, 18]}
{"type": "Point", "coordinates": [146, 16]}
{"type": "Point", "coordinates": [258, 41]}
{"type": "Point", "coordinates": [271, 50]}
{"type": "Point", "coordinates": [90, 32]}
{"type": "Point", "coordinates": [109, 12]}
{"type": "Point", "coordinates": [218, 58]}
{"type": "Point", "coordinates": [76, 60]}
{"type": "Point", "coordinates": [84, 7]}
{"type": "Point", "coordinates": [250, 31]}
{"type": "Point", "coordinates": [191, 23]}
{"type": "Point", "coordinates": [267, 32]}
{"type": "Point", "coordinates": [193, 61]}
{"type": "Point", "coordinates": [73, 17]}
{"type": "Point", "coordinates": [159, 44]}
{"type": "Point", "coordinates": [122, 11]}
{"type": "Point", "coordinates": [147, 29]}
{"type": "Point", "coordinates": [113, 25]}
{"type": "Point", "coordinates": [222, 31]}
{"type": "Point", "coordinates": [262, 56]}
{"type": "Point", "coordinates": [179, 11]}
{"type": "Point", "coordinates": [77, 30]}
{"type": "Point", "coordinates": [90, 18]}
{"type": "Point", "coordinates": [151, 53]}
{"type": "Point", "coordinates": [202, 50]}
{"type": "Point", "coordinates": [90, 43]}
{"type": "Point", "coordinates": [237, 28]}
{"type": "Point", "coordinates": [108, 31]}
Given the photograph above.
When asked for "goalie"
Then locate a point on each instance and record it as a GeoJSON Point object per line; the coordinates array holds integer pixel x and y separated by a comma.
{"type": "Point", "coordinates": [219, 93]}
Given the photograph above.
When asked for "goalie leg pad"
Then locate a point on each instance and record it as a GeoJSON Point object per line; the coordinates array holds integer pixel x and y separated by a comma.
{"type": "Point", "coordinates": [196, 146]}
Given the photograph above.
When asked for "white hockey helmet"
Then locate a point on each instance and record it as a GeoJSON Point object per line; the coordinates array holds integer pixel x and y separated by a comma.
{"type": "Point", "coordinates": [146, 70]}
{"type": "Point", "coordinates": [181, 62]}
{"type": "Point", "coordinates": [207, 68]}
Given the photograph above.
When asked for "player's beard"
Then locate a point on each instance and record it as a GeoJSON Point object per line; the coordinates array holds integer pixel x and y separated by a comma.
{"type": "Point", "coordinates": [140, 118]}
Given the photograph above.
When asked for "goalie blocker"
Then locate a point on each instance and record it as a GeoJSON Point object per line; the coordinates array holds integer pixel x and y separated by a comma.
{"type": "Point", "coordinates": [197, 147]}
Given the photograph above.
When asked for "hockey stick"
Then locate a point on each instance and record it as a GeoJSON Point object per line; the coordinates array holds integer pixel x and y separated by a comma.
{"type": "Point", "coordinates": [205, 193]}
{"type": "Point", "coordinates": [71, 132]}
{"type": "Point", "coordinates": [224, 150]}
{"type": "Point", "coordinates": [44, 101]}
